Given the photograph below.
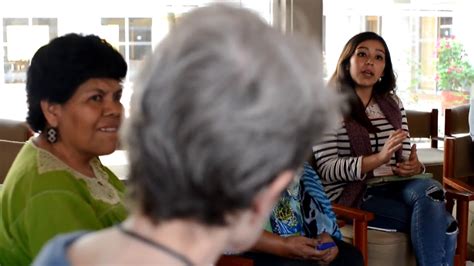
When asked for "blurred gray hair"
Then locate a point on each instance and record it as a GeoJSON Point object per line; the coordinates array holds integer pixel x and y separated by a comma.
{"type": "Point", "coordinates": [223, 106]}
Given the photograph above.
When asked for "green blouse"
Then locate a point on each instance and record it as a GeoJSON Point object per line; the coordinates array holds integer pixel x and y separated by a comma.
{"type": "Point", "coordinates": [43, 197]}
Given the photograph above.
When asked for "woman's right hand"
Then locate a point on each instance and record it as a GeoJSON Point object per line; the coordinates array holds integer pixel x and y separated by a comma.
{"type": "Point", "coordinates": [300, 247]}
{"type": "Point", "coordinates": [392, 144]}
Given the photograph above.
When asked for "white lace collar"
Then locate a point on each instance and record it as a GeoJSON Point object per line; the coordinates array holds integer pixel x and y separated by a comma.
{"type": "Point", "coordinates": [373, 111]}
{"type": "Point", "coordinates": [99, 187]}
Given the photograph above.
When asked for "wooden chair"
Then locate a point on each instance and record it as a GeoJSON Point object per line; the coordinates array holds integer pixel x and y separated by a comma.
{"type": "Point", "coordinates": [234, 260]}
{"type": "Point", "coordinates": [14, 130]}
{"type": "Point", "coordinates": [358, 227]}
{"type": "Point", "coordinates": [376, 247]}
{"type": "Point", "coordinates": [8, 152]}
{"type": "Point", "coordinates": [456, 120]}
{"type": "Point", "coordinates": [359, 219]}
{"type": "Point", "coordinates": [423, 127]}
{"type": "Point", "coordinates": [394, 248]}
{"type": "Point", "coordinates": [458, 174]}
{"type": "Point", "coordinates": [384, 248]}
{"type": "Point", "coordinates": [456, 123]}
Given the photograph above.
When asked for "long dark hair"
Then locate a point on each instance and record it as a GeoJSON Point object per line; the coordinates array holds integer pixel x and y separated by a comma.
{"type": "Point", "coordinates": [342, 80]}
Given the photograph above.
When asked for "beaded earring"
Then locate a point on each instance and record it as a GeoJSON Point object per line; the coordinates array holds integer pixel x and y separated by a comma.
{"type": "Point", "coordinates": [52, 135]}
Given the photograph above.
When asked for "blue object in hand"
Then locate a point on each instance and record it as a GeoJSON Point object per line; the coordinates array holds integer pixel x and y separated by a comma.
{"type": "Point", "coordinates": [326, 245]}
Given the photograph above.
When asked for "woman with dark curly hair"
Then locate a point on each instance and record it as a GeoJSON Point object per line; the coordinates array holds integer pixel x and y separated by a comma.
{"type": "Point", "coordinates": [57, 184]}
{"type": "Point", "coordinates": [373, 140]}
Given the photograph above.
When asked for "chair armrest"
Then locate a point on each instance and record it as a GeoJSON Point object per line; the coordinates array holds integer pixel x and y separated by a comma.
{"type": "Point", "coordinates": [234, 260]}
{"type": "Point", "coordinates": [462, 197]}
{"type": "Point", "coordinates": [459, 195]}
{"type": "Point", "coordinates": [352, 213]}
{"type": "Point", "coordinates": [462, 217]}
{"type": "Point", "coordinates": [360, 219]}
{"type": "Point", "coordinates": [459, 188]}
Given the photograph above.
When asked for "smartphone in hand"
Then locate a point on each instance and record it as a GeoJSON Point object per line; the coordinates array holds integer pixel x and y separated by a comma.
{"type": "Point", "coordinates": [326, 245]}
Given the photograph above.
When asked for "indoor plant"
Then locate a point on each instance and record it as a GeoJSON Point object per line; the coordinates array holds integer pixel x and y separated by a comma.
{"type": "Point", "coordinates": [455, 74]}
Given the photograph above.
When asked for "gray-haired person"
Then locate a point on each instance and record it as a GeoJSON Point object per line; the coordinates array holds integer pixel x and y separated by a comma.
{"type": "Point", "coordinates": [223, 113]}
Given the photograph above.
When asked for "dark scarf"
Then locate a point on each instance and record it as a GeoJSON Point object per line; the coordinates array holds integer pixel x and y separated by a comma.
{"type": "Point", "coordinates": [360, 145]}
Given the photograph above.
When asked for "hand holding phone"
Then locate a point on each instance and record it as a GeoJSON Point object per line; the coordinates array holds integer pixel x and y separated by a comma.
{"type": "Point", "coordinates": [325, 245]}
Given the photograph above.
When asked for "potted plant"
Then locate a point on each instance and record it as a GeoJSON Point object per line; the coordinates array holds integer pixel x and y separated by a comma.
{"type": "Point", "coordinates": [455, 74]}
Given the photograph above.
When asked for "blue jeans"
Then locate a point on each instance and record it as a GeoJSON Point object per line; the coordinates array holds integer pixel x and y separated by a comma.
{"type": "Point", "coordinates": [416, 207]}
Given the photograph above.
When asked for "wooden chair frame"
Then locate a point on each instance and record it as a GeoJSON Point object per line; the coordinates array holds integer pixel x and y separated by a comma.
{"type": "Point", "coordinates": [14, 130]}
{"type": "Point", "coordinates": [458, 179]}
{"type": "Point", "coordinates": [234, 260]}
{"type": "Point", "coordinates": [424, 125]}
{"type": "Point", "coordinates": [360, 220]}
{"type": "Point", "coordinates": [456, 120]}
{"type": "Point", "coordinates": [8, 151]}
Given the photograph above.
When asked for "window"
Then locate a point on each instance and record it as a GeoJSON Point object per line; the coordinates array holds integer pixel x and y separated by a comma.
{"type": "Point", "coordinates": [414, 31]}
{"type": "Point", "coordinates": [133, 27]}
{"type": "Point", "coordinates": [373, 23]}
{"type": "Point", "coordinates": [21, 38]}
{"type": "Point", "coordinates": [132, 37]}
{"type": "Point", "coordinates": [444, 27]}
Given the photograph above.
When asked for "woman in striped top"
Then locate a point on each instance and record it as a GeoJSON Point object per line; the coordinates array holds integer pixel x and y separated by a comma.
{"type": "Point", "coordinates": [373, 140]}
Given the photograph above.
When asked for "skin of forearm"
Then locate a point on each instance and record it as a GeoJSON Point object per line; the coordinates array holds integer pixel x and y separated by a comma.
{"type": "Point", "coordinates": [371, 162]}
{"type": "Point", "coordinates": [269, 243]}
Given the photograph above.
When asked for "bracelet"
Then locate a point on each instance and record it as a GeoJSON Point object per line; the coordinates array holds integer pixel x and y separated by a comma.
{"type": "Point", "coordinates": [423, 167]}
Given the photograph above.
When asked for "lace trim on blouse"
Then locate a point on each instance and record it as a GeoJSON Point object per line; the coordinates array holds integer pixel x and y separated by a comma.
{"type": "Point", "coordinates": [99, 187]}
{"type": "Point", "coordinates": [373, 111]}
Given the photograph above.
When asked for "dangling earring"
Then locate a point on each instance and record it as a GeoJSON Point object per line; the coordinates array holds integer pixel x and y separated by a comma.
{"type": "Point", "coordinates": [52, 135]}
{"type": "Point", "coordinates": [380, 79]}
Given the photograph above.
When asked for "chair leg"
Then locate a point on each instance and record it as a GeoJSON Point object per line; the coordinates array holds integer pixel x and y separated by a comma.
{"type": "Point", "coordinates": [360, 238]}
{"type": "Point", "coordinates": [462, 213]}
{"type": "Point", "coordinates": [457, 260]}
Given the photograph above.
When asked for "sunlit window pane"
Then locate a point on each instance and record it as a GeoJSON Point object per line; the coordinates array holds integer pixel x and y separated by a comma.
{"type": "Point", "coordinates": [122, 50]}
{"type": "Point", "coordinates": [120, 22]}
{"type": "Point", "coordinates": [52, 24]}
{"type": "Point", "coordinates": [372, 23]}
{"type": "Point", "coordinates": [419, 35]}
{"type": "Point", "coordinates": [14, 71]}
{"type": "Point", "coordinates": [140, 29]}
{"type": "Point", "coordinates": [12, 21]}
{"type": "Point", "coordinates": [132, 28]}
{"type": "Point", "coordinates": [137, 53]}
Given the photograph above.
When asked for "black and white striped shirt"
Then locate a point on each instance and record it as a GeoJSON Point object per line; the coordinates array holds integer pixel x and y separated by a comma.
{"type": "Point", "coordinates": [334, 162]}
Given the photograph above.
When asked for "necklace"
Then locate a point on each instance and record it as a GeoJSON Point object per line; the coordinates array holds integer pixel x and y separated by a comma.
{"type": "Point", "coordinates": [154, 244]}
{"type": "Point", "coordinates": [370, 99]}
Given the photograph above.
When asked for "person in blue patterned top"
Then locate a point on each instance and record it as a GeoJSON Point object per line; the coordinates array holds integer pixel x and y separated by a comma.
{"type": "Point", "coordinates": [302, 220]}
